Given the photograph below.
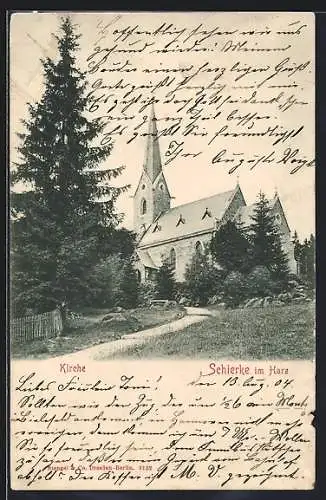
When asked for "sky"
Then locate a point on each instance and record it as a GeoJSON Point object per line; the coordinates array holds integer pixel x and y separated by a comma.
{"type": "Point", "coordinates": [31, 38]}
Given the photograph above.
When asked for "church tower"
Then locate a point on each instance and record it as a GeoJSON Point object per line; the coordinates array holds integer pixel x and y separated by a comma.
{"type": "Point", "coordinates": [152, 195]}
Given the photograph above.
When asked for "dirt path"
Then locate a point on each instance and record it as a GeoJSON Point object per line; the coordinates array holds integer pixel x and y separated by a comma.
{"type": "Point", "coordinates": [105, 350]}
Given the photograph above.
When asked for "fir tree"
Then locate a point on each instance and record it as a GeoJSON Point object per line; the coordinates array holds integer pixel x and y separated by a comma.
{"type": "Point", "coordinates": [304, 254]}
{"type": "Point", "coordinates": [202, 278]}
{"type": "Point", "coordinates": [297, 250]}
{"type": "Point", "coordinates": [129, 285]}
{"type": "Point", "coordinates": [165, 282]}
{"type": "Point", "coordinates": [229, 247]}
{"type": "Point", "coordinates": [266, 244]}
{"type": "Point", "coordinates": [307, 260]}
{"type": "Point", "coordinates": [120, 241]}
{"type": "Point", "coordinates": [312, 260]}
{"type": "Point", "coordinates": [60, 221]}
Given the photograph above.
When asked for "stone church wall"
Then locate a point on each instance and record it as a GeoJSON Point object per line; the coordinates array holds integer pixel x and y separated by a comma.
{"type": "Point", "coordinates": [161, 198]}
{"type": "Point", "coordinates": [237, 202]}
{"type": "Point", "coordinates": [184, 249]}
{"type": "Point", "coordinates": [288, 247]}
{"type": "Point", "coordinates": [144, 192]}
{"type": "Point", "coordinates": [286, 239]}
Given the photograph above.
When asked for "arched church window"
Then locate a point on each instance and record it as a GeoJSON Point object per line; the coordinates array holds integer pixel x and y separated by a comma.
{"type": "Point", "coordinates": [173, 258]}
{"type": "Point", "coordinates": [162, 186]}
{"type": "Point", "coordinates": [278, 219]}
{"type": "Point", "coordinates": [143, 207]}
{"type": "Point", "coordinates": [198, 247]}
{"type": "Point", "coordinates": [143, 186]}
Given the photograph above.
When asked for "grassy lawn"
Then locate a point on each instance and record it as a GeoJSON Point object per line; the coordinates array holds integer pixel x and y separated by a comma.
{"type": "Point", "coordinates": [285, 332]}
{"type": "Point", "coordinates": [89, 330]}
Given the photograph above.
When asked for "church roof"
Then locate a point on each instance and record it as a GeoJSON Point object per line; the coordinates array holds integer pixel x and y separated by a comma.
{"type": "Point", "coordinates": [146, 259]}
{"type": "Point", "coordinates": [244, 214]}
{"type": "Point", "coordinates": [187, 219]}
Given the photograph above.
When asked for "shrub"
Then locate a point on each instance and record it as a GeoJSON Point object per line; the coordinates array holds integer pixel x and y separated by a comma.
{"type": "Point", "coordinates": [147, 292]}
{"type": "Point", "coordinates": [234, 289]}
{"type": "Point", "coordinates": [127, 295]}
{"type": "Point", "coordinates": [113, 282]}
{"type": "Point", "coordinates": [230, 247]}
{"type": "Point", "coordinates": [259, 282]}
{"type": "Point", "coordinates": [165, 282]}
{"type": "Point", "coordinates": [203, 279]}
{"type": "Point", "coordinates": [180, 290]}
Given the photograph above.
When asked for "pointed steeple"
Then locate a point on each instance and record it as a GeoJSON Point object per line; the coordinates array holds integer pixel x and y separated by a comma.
{"type": "Point", "coordinates": [152, 160]}
{"type": "Point", "coordinates": [152, 196]}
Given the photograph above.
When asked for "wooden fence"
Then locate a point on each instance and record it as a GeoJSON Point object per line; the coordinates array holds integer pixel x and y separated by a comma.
{"type": "Point", "coordinates": [36, 327]}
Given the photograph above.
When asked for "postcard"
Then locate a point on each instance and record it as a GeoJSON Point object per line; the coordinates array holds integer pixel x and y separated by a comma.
{"type": "Point", "coordinates": [162, 251]}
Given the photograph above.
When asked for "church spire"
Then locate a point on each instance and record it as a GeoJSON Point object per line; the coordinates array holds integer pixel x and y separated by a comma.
{"type": "Point", "coordinates": [152, 196]}
{"type": "Point", "coordinates": [152, 161]}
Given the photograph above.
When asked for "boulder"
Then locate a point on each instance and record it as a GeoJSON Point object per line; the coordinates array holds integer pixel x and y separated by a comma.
{"type": "Point", "coordinates": [285, 297]}
{"type": "Point", "coordinates": [260, 302]}
{"type": "Point", "coordinates": [255, 302]}
{"type": "Point", "coordinates": [298, 293]}
{"type": "Point", "coordinates": [277, 303]}
{"type": "Point", "coordinates": [114, 310]}
{"type": "Point", "coordinates": [107, 317]}
{"type": "Point", "coordinates": [213, 300]}
{"type": "Point", "coordinates": [170, 304]}
{"type": "Point", "coordinates": [250, 302]}
{"type": "Point", "coordinates": [267, 301]}
{"type": "Point", "coordinates": [298, 300]}
{"type": "Point", "coordinates": [165, 303]}
{"type": "Point", "coordinates": [117, 309]}
{"type": "Point", "coordinates": [119, 321]}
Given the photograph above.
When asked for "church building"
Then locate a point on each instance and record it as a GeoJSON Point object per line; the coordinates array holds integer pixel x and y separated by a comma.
{"type": "Point", "coordinates": [177, 233]}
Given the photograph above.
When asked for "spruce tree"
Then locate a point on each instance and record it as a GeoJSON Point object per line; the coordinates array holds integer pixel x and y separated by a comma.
{"type": "Point", "coordinates": [297, 250]}
{"type": "Point", "coordinates": [165, 282]}
{"type": "Point", "coordinates": [311, 261]}
{"type": "Point", "coordinates": [129, 285]}
{"type": "Point", "coordinates": [203, 279]}
{"type": "Point", "coordinates": [229, 247]}
{"type": "Point", "coordinates": [266, 244]}
{"type": "Point", "coordinates": [68, 206]}
{"type": "Point", "coordinates": [307, 260]}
